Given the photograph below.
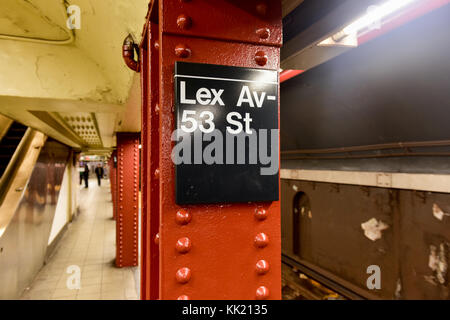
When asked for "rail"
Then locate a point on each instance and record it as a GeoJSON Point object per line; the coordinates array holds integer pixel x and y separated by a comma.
{"type": "Point", "coordinates": [336, 153]}
{"type": "Point", "coordinates": [327, 279]}
{"type": "Point", "coordinates": [16, 175]}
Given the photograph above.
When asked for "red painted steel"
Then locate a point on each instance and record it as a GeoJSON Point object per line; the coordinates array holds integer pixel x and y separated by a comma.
{"type": "Point", "coordinates": [145, 194]}
{"type": "Point", "coordinates": [127, 199]}
{"type": "Point", "coordinates": [230, 251]}
{"type": "Point", "coordinates": [258, 22]}
{"type": "Point", "coordinates": [288, 74]}
{"type": "Point", "coordinates": [150, 163]}
{"type": "Point", "coordinates": [113, 182]}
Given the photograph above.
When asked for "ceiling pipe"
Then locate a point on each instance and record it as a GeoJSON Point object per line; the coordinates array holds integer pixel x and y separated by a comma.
{"type": "Point", "coordinates": [128, 50]}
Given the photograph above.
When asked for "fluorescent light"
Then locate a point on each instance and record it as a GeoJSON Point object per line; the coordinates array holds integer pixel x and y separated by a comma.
{"type": "Point", "coordinates": [376, 14]}
{"type": "Point", "coordinates": [372, 19]}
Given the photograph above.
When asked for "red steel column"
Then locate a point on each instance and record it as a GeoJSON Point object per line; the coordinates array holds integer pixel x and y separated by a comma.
{"type": "Point", "coordinates": [127, 199]}
{"type": "Point", "coordinates": [113, 181]}
{"type": "Point", "coordinates": [145, 221]}
{"type": "Point", "coordinates": [150, 163]}
{"type": "Point", "coordinates": [230, 251]}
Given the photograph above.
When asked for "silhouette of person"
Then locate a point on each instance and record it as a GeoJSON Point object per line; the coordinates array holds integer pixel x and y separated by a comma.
{"type": "Point", "coordinates": [81, 171]}
{"type": "Point", "coordinates": [86, 176]}
{"type": "Point", "coordinates": [99, 172]}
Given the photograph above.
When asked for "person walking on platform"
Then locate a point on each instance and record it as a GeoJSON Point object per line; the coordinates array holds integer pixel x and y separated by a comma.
{"type": "Point", "coordinates": [99, 172]}
{"type": "Point", "coordinates": [86, 176]}
{"type": "Point", "coordinates": [81, 171]}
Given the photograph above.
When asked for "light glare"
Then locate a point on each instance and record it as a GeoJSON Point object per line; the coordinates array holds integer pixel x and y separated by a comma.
{"type": "Point", "coordinates": [376, 14]}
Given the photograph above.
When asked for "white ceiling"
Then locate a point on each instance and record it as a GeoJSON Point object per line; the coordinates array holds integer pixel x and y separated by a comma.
{"type": "Point", "coordinates": [87, 76]}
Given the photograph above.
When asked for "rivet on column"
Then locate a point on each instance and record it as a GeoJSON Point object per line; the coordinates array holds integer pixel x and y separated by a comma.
{"type": "Point", "coordinates": [263, 33]}
{"type": "Point", "coordinates": [261, 9]}
{"type": "Point", "coordinates": [261, 240]}
{"type": "Point", "coordinates": [262, 267]}
{"type": "Point", "coordinates": [183, 217]}
{"type": "Point", "coordinates": [183, 245]}
{"type": "Point", "coordinates": [262, 293]}
{"type": "Point", "coordinates": [261, 214]}
{"type": "Point", "coordinates": [183, 275]}
{"type": "Point", "coordinates": [261, 58]}
{"type": "Point", "coordinates": [182, 51]}
{"type": "Point", "coordinates": [184, 22]}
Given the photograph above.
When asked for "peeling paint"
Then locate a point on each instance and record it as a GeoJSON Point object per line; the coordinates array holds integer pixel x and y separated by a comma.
{"type": "Point", "coordinates": [398, 290]}
{"type": "Point", "coordinates": [438, 213]}
{"type": "Point", "coordinates": [372, 228]}
{"type": "Point", "coordinates": [438, 263]}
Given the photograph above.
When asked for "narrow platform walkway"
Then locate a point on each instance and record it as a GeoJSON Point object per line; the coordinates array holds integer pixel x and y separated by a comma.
{"type": "Point", "coordinates": [90, 244]}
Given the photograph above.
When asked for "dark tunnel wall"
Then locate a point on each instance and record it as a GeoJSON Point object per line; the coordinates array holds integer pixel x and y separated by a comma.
{"type": "Point", "coordinates": [395, 88]}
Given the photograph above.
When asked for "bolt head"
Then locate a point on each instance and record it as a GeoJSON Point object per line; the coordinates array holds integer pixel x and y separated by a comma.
{"type": "Point", "coordinates": [261, 58]}
{"type": "Point", "coordinates": [184, 22]}
{"type": "Point", "coordinates": [156, 239]}
{"type": "Point", "coordinates": [183, 245]}
{"type": "Point", "coordinates": [261, 214]}
{"type": "Point", "coordinates": [261, 240]}
{"type": "Point", "coordinates": [183, 275]}
{"type": "Point", "coordinates": [263, 33]}
{"type": "Point", "coordinates": [262, 293]}
{"type": "Point", "coordinates": [261, 9]}
{"type": "Point", "coordinates": [183, 217]}
{"type": "Point", "coordinates": [182, 51]}
{"type": "Point", "coordinates": [262, 267]}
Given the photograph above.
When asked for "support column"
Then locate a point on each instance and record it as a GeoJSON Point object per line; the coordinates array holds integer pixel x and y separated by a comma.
{"type": "Point", "coordinates": [113, 181]}
{"type": "Point", "coordinates": [207, 251]}
{"type": "Point", "coordinates": [150, 140]}
{"type": "Point", "coordinates": [127, 199]}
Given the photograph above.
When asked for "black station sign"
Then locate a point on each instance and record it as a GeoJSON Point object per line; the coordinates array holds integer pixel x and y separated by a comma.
{"type": "Point", "coordinates": [226, 142]}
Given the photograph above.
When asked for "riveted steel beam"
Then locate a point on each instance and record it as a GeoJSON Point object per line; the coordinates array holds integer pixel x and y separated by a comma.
{"type": "Point", "coordinates": [127, 199]}
{"type": "Point", "coordinates": [215, 251]}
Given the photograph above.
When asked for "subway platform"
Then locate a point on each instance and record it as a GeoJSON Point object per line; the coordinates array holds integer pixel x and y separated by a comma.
{"type": "Point", "coordinates": [88, 243]}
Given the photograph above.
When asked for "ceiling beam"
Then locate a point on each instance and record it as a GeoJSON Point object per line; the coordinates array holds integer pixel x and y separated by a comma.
{"type": "Point", "coordinates": [302, 52]}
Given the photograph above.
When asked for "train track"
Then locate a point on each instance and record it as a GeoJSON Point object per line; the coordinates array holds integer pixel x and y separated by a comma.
{"type": "Point", "coordinates": [301, 282]}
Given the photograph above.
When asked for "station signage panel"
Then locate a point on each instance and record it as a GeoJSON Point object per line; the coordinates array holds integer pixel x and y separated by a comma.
{"type": "Point", "coordinates": [225, 145]}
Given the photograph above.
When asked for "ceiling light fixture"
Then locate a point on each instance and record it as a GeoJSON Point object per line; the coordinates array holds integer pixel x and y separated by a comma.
{"type": "Point", "coordinates": [373, 19]}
